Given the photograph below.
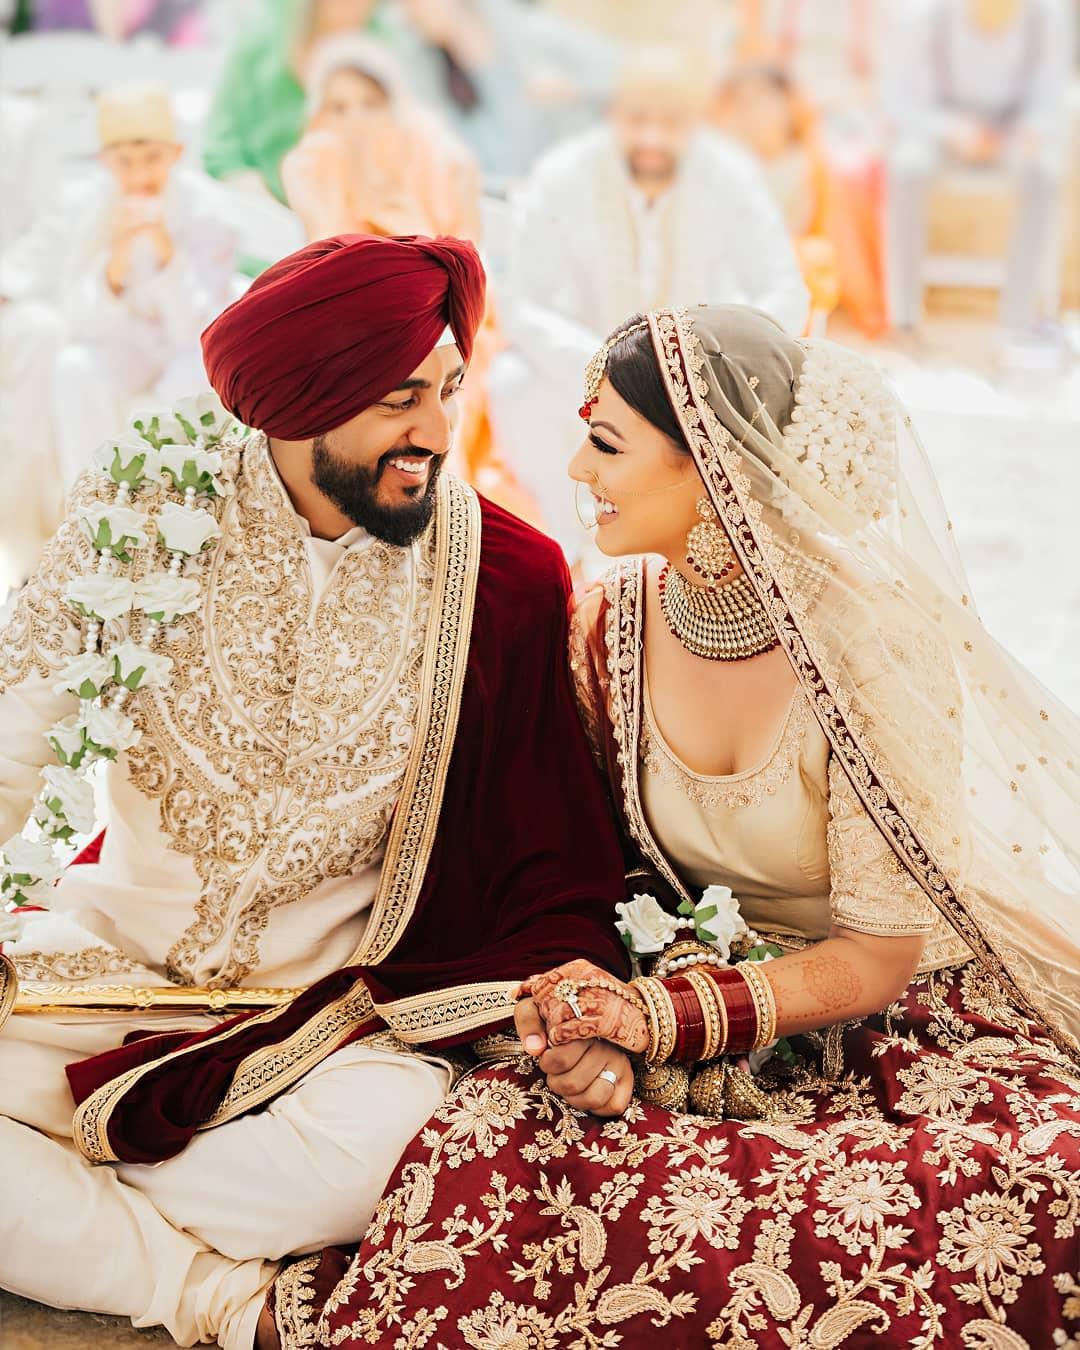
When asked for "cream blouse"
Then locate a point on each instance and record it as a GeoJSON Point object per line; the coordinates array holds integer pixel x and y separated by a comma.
{"type": "Point", "coordinates": [789, 836]}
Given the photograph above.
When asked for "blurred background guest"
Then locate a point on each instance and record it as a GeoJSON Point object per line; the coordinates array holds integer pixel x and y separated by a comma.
{"type": "Point", "coordinates": [979, 85]}
{"type": "Point", "coordinates": [511, 77]}
{"type": "Point", "coordinates": [106, 296]}
{"type": "Point", "coordinates": [761, 108]}
{"type": "Point", "coordinates": [372, 160]}
{"type": "Point", "coordinates": [174, 20]}
{"type": "Point", "coordinates": [650, 208]}
{"type": "Point", "coordinates": [260, 106]}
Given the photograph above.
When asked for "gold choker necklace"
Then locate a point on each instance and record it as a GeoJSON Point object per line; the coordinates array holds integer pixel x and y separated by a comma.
{"type": "Point", "coordinates": [725, 624]}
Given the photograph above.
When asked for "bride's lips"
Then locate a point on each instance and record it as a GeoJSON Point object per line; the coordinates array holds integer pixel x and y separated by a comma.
{"type": "Point", "coordinates": [606, 511]}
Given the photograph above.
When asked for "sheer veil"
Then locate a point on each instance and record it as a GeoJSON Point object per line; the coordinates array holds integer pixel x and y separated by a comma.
{"type": "Point", "coordinates": [967, 765]}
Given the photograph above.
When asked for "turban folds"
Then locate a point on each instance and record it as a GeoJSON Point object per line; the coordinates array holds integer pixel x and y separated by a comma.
{"type": "Point", "coordinates": [332, 328]}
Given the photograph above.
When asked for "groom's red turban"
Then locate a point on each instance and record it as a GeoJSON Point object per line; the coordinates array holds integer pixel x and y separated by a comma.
{"type": "Point", "coordinates": [327, 331]}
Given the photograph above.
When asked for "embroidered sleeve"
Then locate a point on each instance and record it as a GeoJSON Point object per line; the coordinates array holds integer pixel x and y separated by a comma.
{"type": "Point", "coordinates": [871, 891]}
{"type": "Point", "coordinates": [38, 637]}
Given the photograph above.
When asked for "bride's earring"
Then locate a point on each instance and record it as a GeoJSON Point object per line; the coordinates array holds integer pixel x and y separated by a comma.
{"type": "Point", "coordinates": [708, 550]}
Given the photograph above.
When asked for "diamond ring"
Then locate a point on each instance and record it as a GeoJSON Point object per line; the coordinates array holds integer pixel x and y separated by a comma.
{"type": "Point", "coordinates": [609, 1076]}
{"type": "Point", "coordinates": [567, 991]}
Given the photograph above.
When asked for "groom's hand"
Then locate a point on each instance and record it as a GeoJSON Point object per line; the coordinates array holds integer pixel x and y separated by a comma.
{"type": "Point", "coordinates": [574, 1073]}
{"type": "Point", "coordinates": [573, 1070]}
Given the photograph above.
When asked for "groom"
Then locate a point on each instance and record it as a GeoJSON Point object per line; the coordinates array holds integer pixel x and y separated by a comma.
{"type": "Point", "coordinates": [364, 780]}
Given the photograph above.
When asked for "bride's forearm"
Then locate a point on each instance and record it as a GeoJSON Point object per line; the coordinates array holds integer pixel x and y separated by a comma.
{"type": "Point", "coordinates": [848, 975]}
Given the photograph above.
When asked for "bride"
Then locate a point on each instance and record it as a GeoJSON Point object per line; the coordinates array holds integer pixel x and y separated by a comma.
{"type": "Point", "coordinates": [874, 1131]}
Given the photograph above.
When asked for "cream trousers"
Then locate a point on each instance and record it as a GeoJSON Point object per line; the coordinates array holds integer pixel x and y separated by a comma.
{"type": "Point", "coordinates": [192, 1243]}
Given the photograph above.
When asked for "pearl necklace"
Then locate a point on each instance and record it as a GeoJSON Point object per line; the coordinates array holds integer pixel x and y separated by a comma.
{"type": "Point", "coordinates": [725, 624]}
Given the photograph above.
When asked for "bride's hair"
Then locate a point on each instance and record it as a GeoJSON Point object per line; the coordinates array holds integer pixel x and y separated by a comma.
{"type": "Point", "coordinates": [635, 377]}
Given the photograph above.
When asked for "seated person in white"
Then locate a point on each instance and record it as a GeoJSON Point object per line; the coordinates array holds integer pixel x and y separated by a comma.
{"type": "Point", "coordinates": [114, 285]}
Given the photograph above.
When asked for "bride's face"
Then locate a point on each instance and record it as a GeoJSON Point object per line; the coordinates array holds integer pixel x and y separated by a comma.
{"type": "Point", "coordinates": [643, 484]}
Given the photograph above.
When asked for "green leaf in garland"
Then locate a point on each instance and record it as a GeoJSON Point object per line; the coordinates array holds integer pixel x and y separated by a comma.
{"type": "Point", "coordinates": [685, 907]}
{"type": "Point", "coordinates": [133, 680]}
{"type": "Point", "coordinates": [704, 915]}
{"type": "Point", "coordinates": [705, 935]}
{"type": "Point", "coordinates": [189, 430]}
{"type": "Point", "coordinates": [628, 941]}
{"type": "Point", "coordinates": [130, 473]}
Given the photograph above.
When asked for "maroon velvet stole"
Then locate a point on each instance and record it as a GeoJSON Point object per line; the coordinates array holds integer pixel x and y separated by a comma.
{"type": "Point", "coordinates": [522, 874]}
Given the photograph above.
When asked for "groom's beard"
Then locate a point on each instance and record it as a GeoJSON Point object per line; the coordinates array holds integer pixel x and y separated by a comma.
{"type": "Point", "coordinates": [354, 491]}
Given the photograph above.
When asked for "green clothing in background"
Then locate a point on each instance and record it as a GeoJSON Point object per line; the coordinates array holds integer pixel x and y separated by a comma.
{"type": "Point", "coordinates": [258, 113]}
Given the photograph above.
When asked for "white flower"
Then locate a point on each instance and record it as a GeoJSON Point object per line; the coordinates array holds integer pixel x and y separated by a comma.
{"type": "Point", "coordinates": [187, 467]}
{"type": "Point", "coordinates": [647, 925]}
{"type": "Point", "coordinates": [75, 795]}
{"type": "Point", "coordinates": [205, 415]}
{"type": "Point", "coordinates": [137, 667]}
{"type": "Point", "coordinates": [113, 527]}
{"type": "Point", "coordinates": [101, 595]}
{"type": "Point", "coordinates": [9, 927]}
{"type": "Point", "coordinates": [110, 729]}
{"type": "Point", "coordinates": [123, 459]}
{"type": "Point", "coordinates": [66, 739]}
{"type": "Point", "coordinates": [163, 596]}
{"type": "Point", "coordinates": [86, 676]}
{"type": "Point", "coordinates": [185, 529]}
{"type": "Point", "coordinates": [30, 858]}
{"type": "Point", "coordinates": [718, 920]}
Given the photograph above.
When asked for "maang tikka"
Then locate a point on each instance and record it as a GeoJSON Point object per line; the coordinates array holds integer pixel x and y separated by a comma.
{"type": "Point", "coordinates": [708, 549]}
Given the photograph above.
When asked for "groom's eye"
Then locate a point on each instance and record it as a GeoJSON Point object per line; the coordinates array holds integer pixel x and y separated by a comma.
{"type": "Point", "coordinates": [603, 446]}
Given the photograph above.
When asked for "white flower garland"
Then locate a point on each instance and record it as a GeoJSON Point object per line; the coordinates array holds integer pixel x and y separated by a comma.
{"type": "Point", "coordinates": [177, 451]}
{"type": "Point", "coordinates": [843, 429]}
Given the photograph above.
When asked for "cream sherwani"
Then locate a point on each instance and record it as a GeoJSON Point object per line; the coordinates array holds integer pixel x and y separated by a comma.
{"type": "Point", "coordinates": [245, 836]}
{"type": "Point", "coordinates": [589, 252]}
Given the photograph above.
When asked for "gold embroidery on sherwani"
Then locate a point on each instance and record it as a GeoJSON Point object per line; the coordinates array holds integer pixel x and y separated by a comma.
{"type": "Point", "coordinates": [42, 634]}
{"type": "Point", "coordinates": [9, 987]}
{"type": "Point", "coordinates": [278, 749]}
{"type": "Point", "coordinates": [682, 360]}
{"type": "Point", "coordinates": [264, 1073]}
{"type": "Point", "coordinates": [90, 963]}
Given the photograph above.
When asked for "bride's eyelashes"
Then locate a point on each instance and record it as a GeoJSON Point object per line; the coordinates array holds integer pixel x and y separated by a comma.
{"type": "Point", "coordinates": [603, 446]}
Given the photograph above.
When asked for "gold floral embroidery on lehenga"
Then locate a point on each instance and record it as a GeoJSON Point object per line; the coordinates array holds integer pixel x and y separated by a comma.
{"type": "Point", "coordinates": [277, 750]}
{"type": "Point", "coordinates": [849, 1163]}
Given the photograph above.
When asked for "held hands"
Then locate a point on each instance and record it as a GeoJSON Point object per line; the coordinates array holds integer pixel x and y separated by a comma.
{"type": "Point", "coordinates": [589, 1075]}
{"type": "Point", "coordinates": [579, 1001]}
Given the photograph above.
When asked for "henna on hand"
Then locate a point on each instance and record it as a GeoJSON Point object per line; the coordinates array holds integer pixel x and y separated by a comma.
{"type": "Point", "coordinates": [606, 1016]}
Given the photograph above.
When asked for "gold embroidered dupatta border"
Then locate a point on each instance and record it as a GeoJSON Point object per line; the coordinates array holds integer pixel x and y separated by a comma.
{"type": "Point", "coordinates": [624, 642]}
{"type": "Point", "coordinates": [681, 358]}
{"type": "Point", "coordinates": [268, 1071]}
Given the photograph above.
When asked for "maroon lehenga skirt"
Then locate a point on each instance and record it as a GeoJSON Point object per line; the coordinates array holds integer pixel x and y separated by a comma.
{"type": "Point", "coordinates": [922, 1190]}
